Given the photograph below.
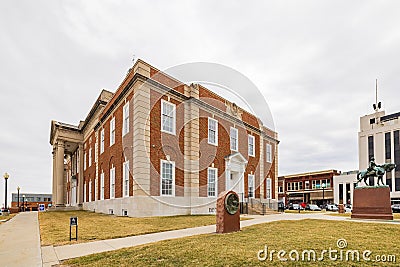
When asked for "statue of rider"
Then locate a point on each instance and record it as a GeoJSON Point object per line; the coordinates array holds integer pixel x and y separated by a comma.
{"type": "Point", "coordinates": [372, 168]}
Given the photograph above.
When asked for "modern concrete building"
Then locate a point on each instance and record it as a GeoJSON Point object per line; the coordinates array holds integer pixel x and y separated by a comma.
{"type": "Point", "coordinates": [311, 187]}
{"type": "Point", "coordinates": [343, 187]}
{"type": "Point", "coordinates": [158, 146]}
{"type": "Point", "coordinates": [379, 137]}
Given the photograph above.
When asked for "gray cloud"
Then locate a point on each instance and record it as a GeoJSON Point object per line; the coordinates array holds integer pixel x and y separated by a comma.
{"type": "Point", "coordinates": [315, 63]}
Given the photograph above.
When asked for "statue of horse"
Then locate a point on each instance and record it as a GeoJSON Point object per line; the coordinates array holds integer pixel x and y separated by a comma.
{"type": "Point", "coordinates": [379, 171]}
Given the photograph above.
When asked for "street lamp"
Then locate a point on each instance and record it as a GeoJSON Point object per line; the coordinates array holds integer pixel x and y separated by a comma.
{"type": "Point", "coordinates": [18, 188]}
{"type": "Point", "coordinates": [323, 193]}
{"type": "Point", "coordinates": [6, 176]}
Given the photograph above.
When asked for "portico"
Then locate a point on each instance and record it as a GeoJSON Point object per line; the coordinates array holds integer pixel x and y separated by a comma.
{"type": "Point", "coordinates": [66, 141]}
{"type": "Point", "coordinates": [235, 166]}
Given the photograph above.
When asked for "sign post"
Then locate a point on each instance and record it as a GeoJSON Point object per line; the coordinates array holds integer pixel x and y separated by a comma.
{"type": "Point", "coordinates": [73, 221]}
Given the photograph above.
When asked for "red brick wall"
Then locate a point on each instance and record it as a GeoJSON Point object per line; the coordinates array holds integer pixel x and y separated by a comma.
{"type": "Point", "coordinates": [208, 152]}
{"type": "Point", "coordinates": [166, 80]}
{"type": "Point", "coordinates": [162, 144]}
{"type": "Point", "coordinates": [114, 155]}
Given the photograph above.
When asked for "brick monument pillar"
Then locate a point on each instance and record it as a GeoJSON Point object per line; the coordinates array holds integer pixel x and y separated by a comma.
{"type": "Point", "coordinates": [372, 203]}
{"type": "Point", "coordinates": [228, 215]}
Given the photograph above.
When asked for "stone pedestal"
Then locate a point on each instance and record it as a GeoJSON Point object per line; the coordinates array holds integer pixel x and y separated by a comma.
{"type": "Point", "coordinates": [372, 203]}
{"type": "Point", "coordinates": [227, 222]}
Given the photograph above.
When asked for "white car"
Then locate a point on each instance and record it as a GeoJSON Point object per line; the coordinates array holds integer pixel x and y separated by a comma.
{"type": "Point", "coordinates": [331, 207]}
{"type": "Point", "coordinates": [348, 208]}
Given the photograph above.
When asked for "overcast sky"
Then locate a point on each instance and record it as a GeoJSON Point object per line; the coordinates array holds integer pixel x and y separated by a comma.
{"type": "Point", "coordinates": [315, 62]}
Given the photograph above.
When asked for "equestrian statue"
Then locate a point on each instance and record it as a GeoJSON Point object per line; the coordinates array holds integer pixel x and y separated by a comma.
{"type": "Point", "coordinates": [375, 170]}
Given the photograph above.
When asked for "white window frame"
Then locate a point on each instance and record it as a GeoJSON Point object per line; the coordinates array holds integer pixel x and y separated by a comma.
{"type": "Point", "coordinates": [173, 116]}
{"type": "Point", "coordinates": [125, 120]}
{"type": "Point", "coordinates": [112, 131]}
{"type": "Point", "coordinates": [102, 185]}
{"type": "Point", "coordinates": [253, 191]}
{"type": "Point", "coordinates": [269, 188]}
{"type": "Point", "coordinates": [173, 177]}
{"type": "Point", "coordinates": [213, 142]}
{"type": "Point", "coordinates": [215, 170]}
{"type": "Point", "coordinates": [90, 156]}
{"type": "Point", "coordinates": [90, 190]}
{"type": "Point", "coordinates": [251, 153]}
{"type": "Point", "coordinates": [112, 182]}
{"type": "Point", "coordinates": [96, 187]}
{"type": "Point", "coordinates": [236, 148]}
{"type": "Point", "coordinates": [84, 192]}
{"type": "Point", "coordinates": [84, 161]}
{"type": "Point", "coordinates": [101, 141]}
{"type": "Point", "coordinates": [125, 182]}
{"type": "Point", "coordinates": [268, 154]}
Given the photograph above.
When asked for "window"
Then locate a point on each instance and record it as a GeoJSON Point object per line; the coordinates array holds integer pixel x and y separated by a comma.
{"type": "Point", "coordinates": [250, 181]}
{"type": "Point", "coordinates": [289, 186]}
{"type": "Point", "coordinates": [314, 184]}
{"type": "Point", "coordinates": [125, 121]}
{"type": "Point", "coordinates": [269, 193]}
{"type": "Point", "coordinates": [370, 147]}
{"type": "Point", "coordinates": [388, 147]}
{"type": "Point", "coordinates": [300, 185]}
{"type": "Point", "coordinates": [269, 153]}
{"type": "Point", "coordinates": [112, 182]}
{"type": "Point", "coordinates": [234, 139]}
{"type": "Point", "coordinates": [212, 131]}
{"type": "Point", "coordinates": [84, 191]}
{"type": "Point", "coordinates": [102, 185]}
{"type": "Point", "coordinates": [251, 146]}
{"type": "Point", "coordinates": [167, 117]}
{"type": "Point", "coordinates": [112, 131]}
{"type": "Point", "coordinates": [167, 178]}
{"type": "Point", "coordinates": [280, 189]}
{"type": "Point", "coordinates": [126, 179]}
{"type": "Point", "coordinates": [84, 161]}
{"type": "Point", "coordinates": [102, 141]}
{"type": "Point", "coordinates": [212, 182]}
{"type": "Point", "coordinates": [90, 156]}
{"type": "Point", "coordinates": [90, 191]}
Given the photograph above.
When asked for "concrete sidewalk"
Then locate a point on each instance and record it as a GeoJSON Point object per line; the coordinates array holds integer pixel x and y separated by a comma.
{"type": "Point", "coordinates": [52, 255]}
{"type": "Point", "coordinates": [20, 241]}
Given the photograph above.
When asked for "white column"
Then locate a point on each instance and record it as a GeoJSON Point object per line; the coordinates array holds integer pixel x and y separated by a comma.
{"type": "Point", "coordinates": [54, 180]}
{"type": "Point", "coordinates": [79, 179]}
{"type": "Point", "coordinates": [60, 173]}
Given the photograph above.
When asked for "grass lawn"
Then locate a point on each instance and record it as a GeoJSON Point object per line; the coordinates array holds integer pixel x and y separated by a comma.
{"type": "Point", "coordinates": [54, 226]}
{"type": "Point", "coordinates": [240, 249]}
{"type": "Point", "coordinates": [7, 217]}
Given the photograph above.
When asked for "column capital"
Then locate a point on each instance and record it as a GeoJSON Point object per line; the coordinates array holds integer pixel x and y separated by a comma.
{"type": "Point", "coordinates": [60, 143]}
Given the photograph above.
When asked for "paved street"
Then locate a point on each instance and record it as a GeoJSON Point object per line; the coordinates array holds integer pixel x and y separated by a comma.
{"type": "Point", "coordinates": [20, 241]}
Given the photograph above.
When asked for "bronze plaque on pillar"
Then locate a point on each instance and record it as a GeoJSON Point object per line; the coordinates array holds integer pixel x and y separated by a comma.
{"type": "Point", "coordinates": [228, 215]}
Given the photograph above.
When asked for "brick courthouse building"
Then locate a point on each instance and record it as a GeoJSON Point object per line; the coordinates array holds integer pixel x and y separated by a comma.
{"type": "Point", "coordinates": [160, 147]}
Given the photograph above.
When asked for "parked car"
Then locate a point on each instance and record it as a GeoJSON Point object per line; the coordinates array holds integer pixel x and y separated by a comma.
{"type": "Point", "coordinates": [395, 208]}
{"type": "Point", "coordinates": [332, 207]}
{"type": "Point", "coordinates": [313, 207]}
{"type": "Point", "coordinates": [348, 208]}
